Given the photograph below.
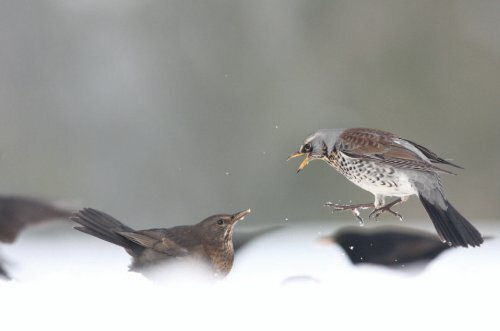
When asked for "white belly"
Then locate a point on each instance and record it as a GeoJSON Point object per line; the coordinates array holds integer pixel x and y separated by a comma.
{"type": "Point", "coordinates": [392, 186]}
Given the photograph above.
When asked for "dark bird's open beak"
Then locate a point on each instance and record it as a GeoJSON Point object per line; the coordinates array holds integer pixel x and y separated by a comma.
{"type": "Point", "coordinates": [304, 162]}
{"type": "Point", "coordinates": [240, 215]}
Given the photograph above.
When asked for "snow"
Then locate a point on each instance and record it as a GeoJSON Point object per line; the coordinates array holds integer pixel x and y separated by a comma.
{"type": "Point", "coordinates": [282, 280]}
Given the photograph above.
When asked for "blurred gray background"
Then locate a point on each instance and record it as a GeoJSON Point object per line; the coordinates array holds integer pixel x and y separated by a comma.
{"type": "Point", "coordinates": [163, 112]}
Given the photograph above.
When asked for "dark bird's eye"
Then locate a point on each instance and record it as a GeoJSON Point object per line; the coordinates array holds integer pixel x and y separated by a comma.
{"type": "Point", "coordinates": [307, 148]}
{"type": "Point", "coordinates": [220, 222]}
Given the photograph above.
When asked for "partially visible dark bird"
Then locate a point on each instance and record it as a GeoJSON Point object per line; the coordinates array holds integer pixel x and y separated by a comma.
{"type": "Point", "coordinates": [209, 242]}
{"type": "Point", "coordinates": [3, 272]}
{"type": "Point", "coordinates": [17, 212]}
{"type": "Point", "coordinates": [387, 246]}
{"type": "Point", "coordinates": [387, 165]}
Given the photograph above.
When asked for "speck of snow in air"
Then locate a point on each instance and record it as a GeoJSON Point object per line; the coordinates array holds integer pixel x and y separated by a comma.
{"type": "Point", "coordinates": [275, 126]}
{"type": "Point", "coordinates": [226, 173]}
{"type": "Point", "coordinates": [351, 248]}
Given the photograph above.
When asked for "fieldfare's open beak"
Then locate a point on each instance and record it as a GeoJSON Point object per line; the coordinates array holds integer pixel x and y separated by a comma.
{"type": "Point", "coordinates": [294, 155]}
{"type": "Point", "coordinates": [304, 162]}
{"type": "Point", "coordinates": [240, 215]}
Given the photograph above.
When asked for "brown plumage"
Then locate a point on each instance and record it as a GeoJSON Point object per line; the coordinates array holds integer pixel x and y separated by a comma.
{"type": "Point", "coordinates": [208, 242]}
{"type": "Point", "coordinates": [384, 147]}
{"type": "Point", "coordinates": [17, 212]}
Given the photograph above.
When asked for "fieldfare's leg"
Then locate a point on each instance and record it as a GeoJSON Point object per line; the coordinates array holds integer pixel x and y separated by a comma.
{"type": "Point", "coordinates": [352, 208]}
{"type": "Point", "coordinates": [387, 208]}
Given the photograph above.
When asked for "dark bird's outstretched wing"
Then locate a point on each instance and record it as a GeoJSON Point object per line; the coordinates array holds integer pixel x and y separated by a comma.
{"type": "Point", "coordinates": [19, 212]}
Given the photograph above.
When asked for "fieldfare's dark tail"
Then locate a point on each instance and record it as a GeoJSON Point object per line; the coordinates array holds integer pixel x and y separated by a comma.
{"type": "Point", "coordinates": [105, 227]}
{"type": "Point", "coordinates": [451, 226]}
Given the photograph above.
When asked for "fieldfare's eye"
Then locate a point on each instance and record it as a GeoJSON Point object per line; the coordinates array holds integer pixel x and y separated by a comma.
{"type": "Point", "coordinates": [220, 222]}
{"type": "Point", "coordinates": [307, 148]}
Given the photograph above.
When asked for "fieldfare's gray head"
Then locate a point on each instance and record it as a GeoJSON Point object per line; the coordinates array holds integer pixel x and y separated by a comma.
{"type": "Point", "coordinates": [319, 145]}
{"type": "Point", "coordinates": [219, 228]}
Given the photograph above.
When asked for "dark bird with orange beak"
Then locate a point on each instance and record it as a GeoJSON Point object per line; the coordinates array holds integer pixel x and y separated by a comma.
{"type": "Point", "coordinates": [208, 242]}
{"type": "Point", "coordinates": [388, 246]}
{"type": "Point", "coordinates": [387, 165]}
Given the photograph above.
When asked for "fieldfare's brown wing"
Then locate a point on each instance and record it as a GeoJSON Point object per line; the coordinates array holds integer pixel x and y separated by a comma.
{"type": "Point", "coordinates": [433, 157]}
{"type": "Point", "coordinates": [384, 147]}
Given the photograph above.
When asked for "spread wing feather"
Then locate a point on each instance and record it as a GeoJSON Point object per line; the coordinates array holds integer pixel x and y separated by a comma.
{"type": "Point", "coordinates": [383, 147]}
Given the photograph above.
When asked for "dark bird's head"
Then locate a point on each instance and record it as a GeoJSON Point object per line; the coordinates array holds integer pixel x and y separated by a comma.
{"type": "Point", "coordinates": [319, 145]}
{"type": "Point", "coordinates": [219, 228]}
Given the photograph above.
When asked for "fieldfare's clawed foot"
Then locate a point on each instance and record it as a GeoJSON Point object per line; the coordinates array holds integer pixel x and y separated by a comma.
{"type": "Point", "coordinates": [387, 208]}
{"type": "Point", "coordinates": [353, 208]}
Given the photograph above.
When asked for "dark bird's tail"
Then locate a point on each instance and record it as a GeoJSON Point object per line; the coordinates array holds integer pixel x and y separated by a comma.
{"type": "Point", "coordinates": [451, 226]}
{"type": "Point", "coordinates": [105, 227]}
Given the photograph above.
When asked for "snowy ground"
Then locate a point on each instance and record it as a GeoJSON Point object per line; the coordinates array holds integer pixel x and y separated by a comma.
{"type": "Point", "coordinates": [282, 280]}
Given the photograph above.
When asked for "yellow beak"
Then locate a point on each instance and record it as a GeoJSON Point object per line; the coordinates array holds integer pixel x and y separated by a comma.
{"type": "Point", "coordinates": [304, 162]}
{"type": "Point", "coordinates": [294, 155]}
